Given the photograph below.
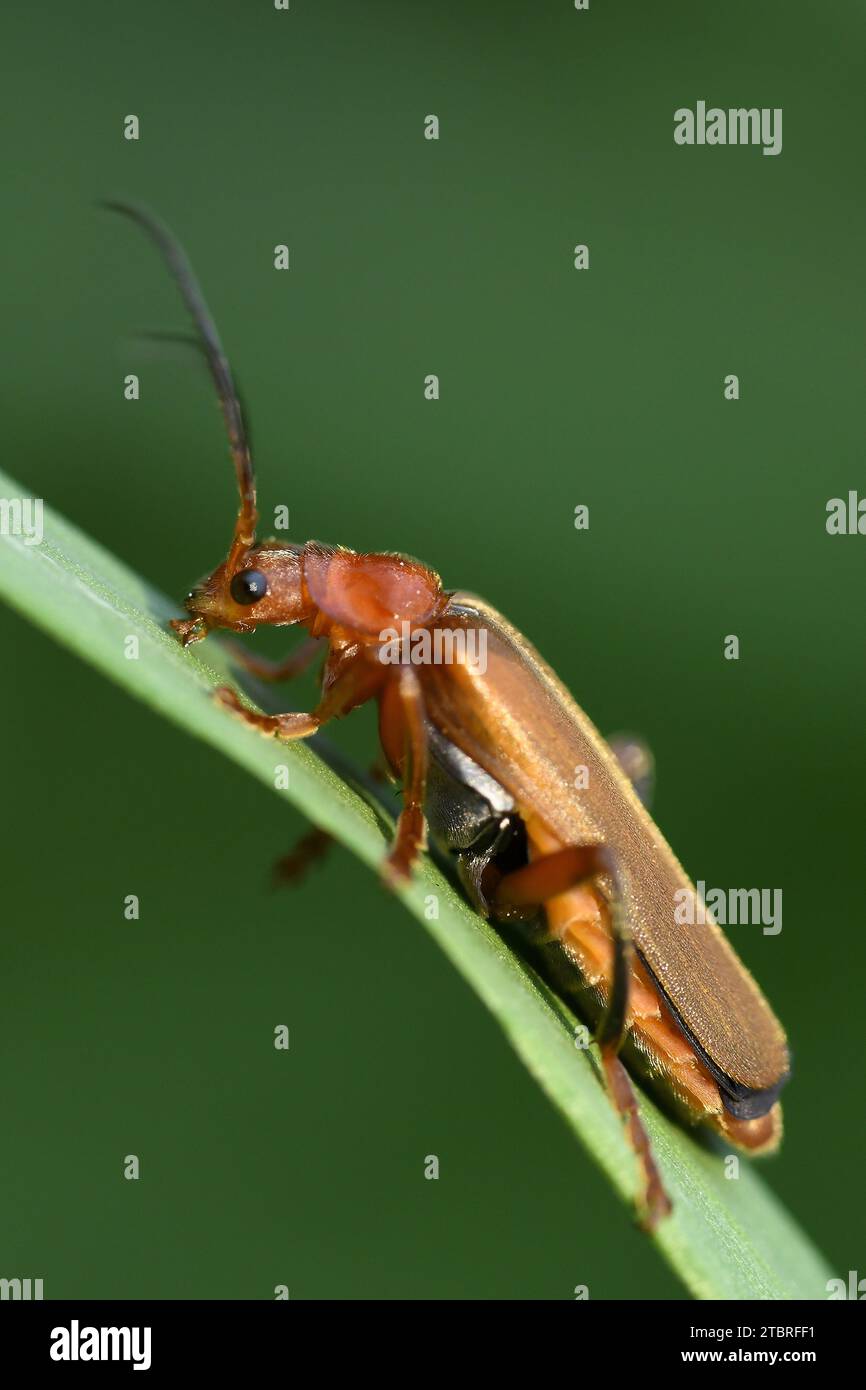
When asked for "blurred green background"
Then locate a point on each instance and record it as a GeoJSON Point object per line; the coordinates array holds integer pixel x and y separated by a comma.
{"type": "Point", "coordinates": [557, 388]}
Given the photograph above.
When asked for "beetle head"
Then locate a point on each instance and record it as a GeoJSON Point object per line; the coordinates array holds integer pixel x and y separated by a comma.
{"type": "Point", "coordinates": [255, 583]}
{"type": "Point", "coordinates": [266, 587]}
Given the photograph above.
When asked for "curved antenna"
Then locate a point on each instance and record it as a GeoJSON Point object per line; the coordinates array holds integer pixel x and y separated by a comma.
{"type": "Point", "coordinates": [183, 337]}
{"type": "Point", "coordinates": [184, 276]}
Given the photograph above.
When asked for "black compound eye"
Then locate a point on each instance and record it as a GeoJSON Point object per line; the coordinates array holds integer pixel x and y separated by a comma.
{"type": "Point", "coordinates": [248, 587]}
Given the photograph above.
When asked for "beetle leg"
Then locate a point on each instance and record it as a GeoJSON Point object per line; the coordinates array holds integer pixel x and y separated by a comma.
{"type": "Point", "coordinates": [292, 665]}
{"type": "Point", "coordinates": [347, 681]}
{"type": "Point", "coordinates": [637, 762]}
{"type": "Point", "coordinates": [410, 836]}
{"type": "Point", "coordinates": [558, 872]}
{"type": "Point", "coordinates": [279, 725]}
{"type": "Point", "coordinates": [292, 867]}
{"type": "Point", "coordinates": [655, 1202]}
{"type": "Point", "coordinates": [314, 845]}
{"type": "Point", "coordinates": [549, 877]}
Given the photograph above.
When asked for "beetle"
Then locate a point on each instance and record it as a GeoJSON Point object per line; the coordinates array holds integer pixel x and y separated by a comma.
{"type": "Point", "coordinates": [485, 753]}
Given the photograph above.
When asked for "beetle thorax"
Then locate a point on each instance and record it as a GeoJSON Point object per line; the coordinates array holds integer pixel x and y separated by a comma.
{"type": "Point", "coordinates": [367, 594]}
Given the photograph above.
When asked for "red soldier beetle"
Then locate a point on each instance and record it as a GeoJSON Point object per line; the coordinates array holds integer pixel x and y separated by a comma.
{"type": "Point", "coordinates": [486, 759]}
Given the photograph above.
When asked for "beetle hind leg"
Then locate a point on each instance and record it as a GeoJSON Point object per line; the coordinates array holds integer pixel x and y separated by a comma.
{"type": "Point", "coordinates": [654, 1202]}
{"type": "Point", "coordinates": [562, 881]}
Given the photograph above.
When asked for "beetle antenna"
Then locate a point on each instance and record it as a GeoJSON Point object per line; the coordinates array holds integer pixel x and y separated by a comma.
{"type": "Point", "coordinates": [184, 276]}
{"type": "Point", "coordinates": [182, 337]}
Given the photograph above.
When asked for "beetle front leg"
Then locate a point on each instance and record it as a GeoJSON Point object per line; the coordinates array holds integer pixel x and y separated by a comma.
{"type": "Point", "coordinates": [410, 837]}
{"type": "Point", "coordinates": [276, 725]}
{"type": "Point", "coordinates": [348, 681]}
{"type": "Point", "coordinates": [292, 665]}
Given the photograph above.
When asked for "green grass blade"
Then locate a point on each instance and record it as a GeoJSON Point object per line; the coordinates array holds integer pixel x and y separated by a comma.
{"type": "Point", "coordinates": [725, 1239]}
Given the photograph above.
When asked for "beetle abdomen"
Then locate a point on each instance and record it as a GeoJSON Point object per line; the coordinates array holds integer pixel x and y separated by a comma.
{"type": "Point", "coordinates": [577, 924]}
{"type": "Point", "coordinates": [517, 721]}
{"type": "Point", "coordinates": [473, 820]}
